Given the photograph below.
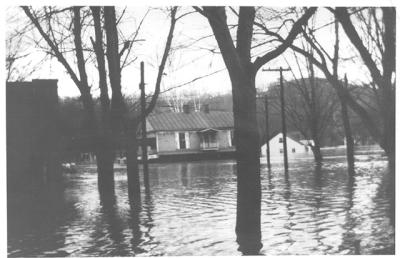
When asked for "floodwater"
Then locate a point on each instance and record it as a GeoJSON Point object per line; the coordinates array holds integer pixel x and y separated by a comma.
{"type": "Point", "coordinates": [191, 211]}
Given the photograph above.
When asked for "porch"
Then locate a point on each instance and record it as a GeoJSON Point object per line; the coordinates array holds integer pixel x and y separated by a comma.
{"type": "Point", "coordinates": [208, 139]}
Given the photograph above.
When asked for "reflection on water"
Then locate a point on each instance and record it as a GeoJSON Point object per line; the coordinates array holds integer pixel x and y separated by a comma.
{"type": "Point", "coordinates": [191, 210]}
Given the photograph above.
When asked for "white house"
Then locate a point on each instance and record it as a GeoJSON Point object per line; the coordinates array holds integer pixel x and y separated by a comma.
{"type": "Point", "coordinates": [294, 148]}
{"type": "Point", "coordinates": [190, 133]}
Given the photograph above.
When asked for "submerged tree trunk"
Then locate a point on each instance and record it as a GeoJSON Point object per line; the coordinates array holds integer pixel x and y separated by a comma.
{"type": "Point", "coordinates": [248, 222]}
{"type": "Point", "coordinates": [345, 116]}
{"type": "Point", "coordinates": [242, 75]}
{"type": "Point", "coordinates": [382, 72]}
{"type": "Point", "coordinates": [315, 119]}
{"type": "Point", "coordinates": [242, 72]}
{"type": "Point", "coordinates": [388, 141]}
{"type": "Point", "coordinates": [105, 166]}
{"type": "Point", "coordinates": [315, 135]}
{"type": "Point", "coordinates": [316, 149]}
{"type": "Point", "coordinates": [349, 137]}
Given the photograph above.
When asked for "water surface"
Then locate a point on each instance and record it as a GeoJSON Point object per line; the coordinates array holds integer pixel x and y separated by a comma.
{"type": "Point", "coordinates": [191, 211]}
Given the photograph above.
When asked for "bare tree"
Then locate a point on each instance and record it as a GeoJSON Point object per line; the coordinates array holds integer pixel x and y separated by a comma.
{"type": "Point", "coordinates": [19, 64]}
{"type": "Point", "coordinates": [344, 112]}
{"type": "Point", "coordinates": [176, 99]}
{"type": "Point", "coordinates": [132, 163]}
{"type": "Point", "coordinates": [15, 53]}
{"type": "Point", "coordinates": [310, 104]}
{"type": "Point", "coordinates": [72, 51]}
{"type": "Point", "coordinates": [378, 53]}
{"type": "Point", "coordinates": [313, 51]}
{"type": "Point", "coordinates": [383, 82]}
{"type": "Point", "coordinates": [242, 71]}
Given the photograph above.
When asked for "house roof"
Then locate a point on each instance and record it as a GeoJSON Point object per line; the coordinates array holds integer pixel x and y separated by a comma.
{"type": "Point", "coordinates": [193, 121]}
{"type": "Point", "coordinates": [293, 135]}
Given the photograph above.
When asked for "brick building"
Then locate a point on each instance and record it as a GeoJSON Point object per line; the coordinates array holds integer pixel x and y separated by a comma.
{"type": "Point", "coordinates": [32, 136]}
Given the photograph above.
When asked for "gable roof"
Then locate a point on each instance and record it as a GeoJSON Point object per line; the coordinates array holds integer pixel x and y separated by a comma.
{"type": "Point", "coordinates": [192, 121]}
{"type": "Point", "coordinates": [293, 135]}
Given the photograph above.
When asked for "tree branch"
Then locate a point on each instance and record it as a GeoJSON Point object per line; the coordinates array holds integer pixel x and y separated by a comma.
{"type": "Point", "coordinates": [343, 16]}
{"type": "Point", "coordinates": [163, 62]}
{"type": "Point", "coordinates": [101, 63]}
{"type": "Point", "coordinates": [53, 48]}
{"type": "Point", "coordinates": [296, 29]}
{"type": "Point", "coordinates": [78, 47]}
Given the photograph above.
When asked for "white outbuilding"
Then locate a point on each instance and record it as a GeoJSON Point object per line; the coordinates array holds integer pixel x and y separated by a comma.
{"type": "Point", "coordinates": [294, 148]}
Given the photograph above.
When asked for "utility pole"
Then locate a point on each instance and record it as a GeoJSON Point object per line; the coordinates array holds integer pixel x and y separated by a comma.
{"type": "Point", "coordinates": [144, 131]}
{"type": "Point", "coordinates": [285, 155]}
{"type": "Point", "coordinates": [267, 131]}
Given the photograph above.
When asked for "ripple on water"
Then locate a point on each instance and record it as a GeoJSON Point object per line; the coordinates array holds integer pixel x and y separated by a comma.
{"type": "Point", "coordinates": [192, 208]}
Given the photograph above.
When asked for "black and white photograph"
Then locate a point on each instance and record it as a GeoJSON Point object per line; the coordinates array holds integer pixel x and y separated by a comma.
{"type": "Point", "coordinates": [199, 129]}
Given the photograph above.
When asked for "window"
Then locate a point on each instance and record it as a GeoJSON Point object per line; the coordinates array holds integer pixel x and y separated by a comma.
{"type": "Point", "coordinates": [280, 150]}
{"type": "Point", "coordinates": [213, 137]}
{"type": "Point", "coordinates": [209, 140]}
{"type": "Point", "coordinates": [293, 150]}
{"type": "Point", "coordinates": [232, 138]}
{"type": "Point", "coordinates": [152, 143]}
{"type": "Point", "coordinates": [280, 140]}
{"type": "Point", "coordinates": [182, 141]}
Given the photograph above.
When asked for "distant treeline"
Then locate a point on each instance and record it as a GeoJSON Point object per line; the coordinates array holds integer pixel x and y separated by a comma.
{"type": "Point", "coordinates": [71, 115]}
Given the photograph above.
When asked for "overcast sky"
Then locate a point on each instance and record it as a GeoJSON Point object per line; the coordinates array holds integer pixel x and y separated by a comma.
{"type": "Point", "coordinates": [187, 63]}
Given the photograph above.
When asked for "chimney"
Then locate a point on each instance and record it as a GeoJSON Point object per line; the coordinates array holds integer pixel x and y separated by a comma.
{"type": "Point", "coordinates": [206, 108]}
{"type": "Point", "coordinates": [186, 109]}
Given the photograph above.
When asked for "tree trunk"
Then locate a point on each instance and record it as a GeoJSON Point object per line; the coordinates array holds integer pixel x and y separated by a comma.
{"type": "Point", "coordinates": [349, 137]}
{"type": "Point", "coordinates": [315, 118]}
{"type": "Point", "coordinates": [105, 168]}
{"type": "Point", "coordinates": [248, 222]}
{"type": "Point", "coordinates": [388, 144]}
{"type": "Point", "coordinates": [347, 130]}
{"type": "Point", "coordinates": [103, 150]}
{"type": "Point", "coordinates": [383, 80]}
{"type": "Point", "coordinates": [390, 152]}
{"type": "Point", "coordinates": [242, 75]}
{"type": "Point", "coordinates": [388, 84]}
{"type": "Point", "coordinates": [133, 169]}
{"type": "Point", "coordinates": [316, 149]}
{"type": "Point", "coordinates": [388, 141]}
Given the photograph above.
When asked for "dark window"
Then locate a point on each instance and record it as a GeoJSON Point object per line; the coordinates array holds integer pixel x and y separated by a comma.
{"type": "Point", "coordinates": [213, 137]}
{"type": "Point", "coordinates": [280, 140]}
{"type": "Point", "coordinates": [293, 150]}
{"type": "Point", "coordinates": [182, 142]}
{"type": "Point", "coordinates": [151, 142]}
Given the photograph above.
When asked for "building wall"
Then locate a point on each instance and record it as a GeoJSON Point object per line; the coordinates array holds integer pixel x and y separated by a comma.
{"type": "Point", "coordinates": [276, 147]}
{"type": "Point", "coordinates": [166, 140]}
{"type": "Point", "coordinates": [32, 133]}
{"type": "Point", "coordinates": [194, 140]}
